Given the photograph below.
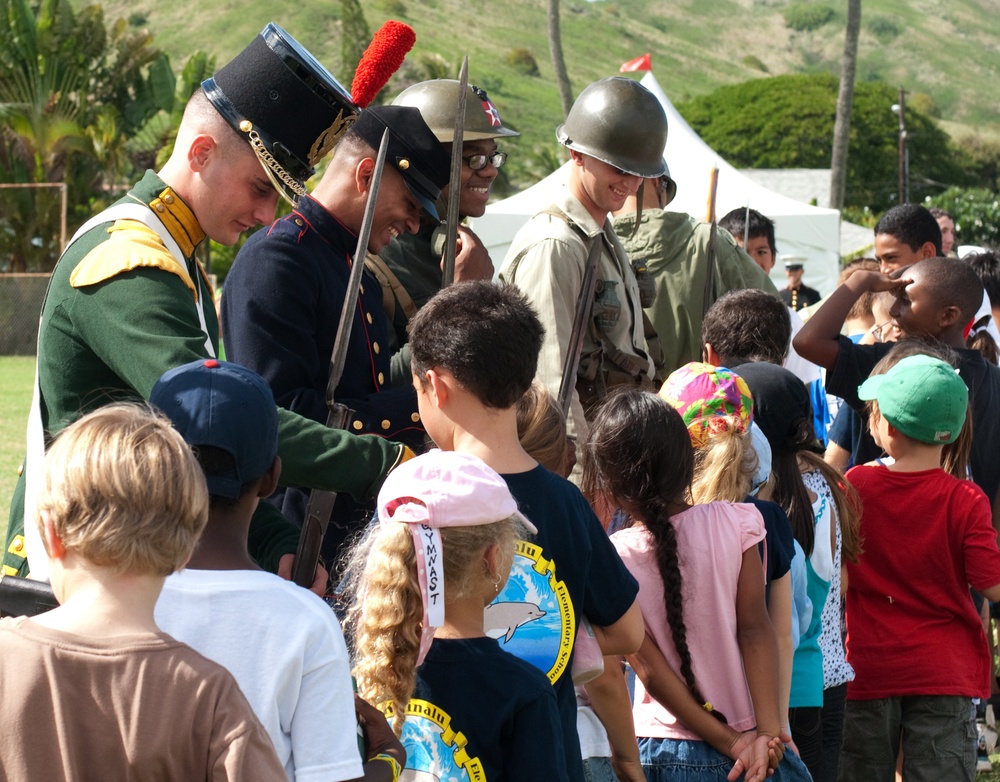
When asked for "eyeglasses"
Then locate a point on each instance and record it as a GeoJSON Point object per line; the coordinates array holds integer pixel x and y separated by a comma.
{"type": "Point", "coordinates": [882, 331]}
{"type": "Point", "coordinates": [479, 162]}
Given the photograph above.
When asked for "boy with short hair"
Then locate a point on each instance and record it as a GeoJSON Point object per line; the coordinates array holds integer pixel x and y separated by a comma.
{"type": "Point", "coordinates": [93, 689]}
{"type": "Point", "coordinates": [935, 300]}
{"type": "Point", "coordinates": [298, 677]}
{"type": "Point", "coordinates": [915, 639]}
{"type": "Point", "coordinates": [475, 348]}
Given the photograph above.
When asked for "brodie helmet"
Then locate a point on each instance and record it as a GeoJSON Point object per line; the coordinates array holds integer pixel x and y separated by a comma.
{"type": "Point", "coordinates": [619, 121]}
{"type": "Point", "coordinates": [437, 100]}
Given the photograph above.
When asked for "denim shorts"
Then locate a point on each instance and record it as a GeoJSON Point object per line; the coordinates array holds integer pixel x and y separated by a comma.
{"type": "Point", "coordinates": [937, 734]}
{"type": "Point", "coordinates": [598, 770]}
{"type": "Point", "coordinates": [681, 760]}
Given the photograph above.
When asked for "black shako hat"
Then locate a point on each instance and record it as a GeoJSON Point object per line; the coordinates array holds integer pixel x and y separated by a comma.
{"type": "Point", "coordinates": [413, 151]}
{"type": "Point", "coordinates": [290, 108]}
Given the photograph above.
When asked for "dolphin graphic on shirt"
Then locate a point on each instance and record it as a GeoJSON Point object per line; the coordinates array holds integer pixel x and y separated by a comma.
{"type": "Point", "coordinates": [502, 619]}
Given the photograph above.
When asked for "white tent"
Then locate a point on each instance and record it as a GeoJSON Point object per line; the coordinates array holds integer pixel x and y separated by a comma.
{"type": "Point", "coordinates": [801, 230]}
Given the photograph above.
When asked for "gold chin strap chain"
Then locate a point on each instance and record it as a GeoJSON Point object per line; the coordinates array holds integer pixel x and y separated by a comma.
{"type": "Point", "coordinates": [275, 172]}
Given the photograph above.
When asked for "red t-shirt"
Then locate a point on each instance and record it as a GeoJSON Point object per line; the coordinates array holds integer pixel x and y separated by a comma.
{"type": "Point", "coordinates": [912, 626]}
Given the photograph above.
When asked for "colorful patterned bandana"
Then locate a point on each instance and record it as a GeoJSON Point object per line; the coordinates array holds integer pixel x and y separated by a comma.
{"type": "Point", "coordinates": [708, 399]}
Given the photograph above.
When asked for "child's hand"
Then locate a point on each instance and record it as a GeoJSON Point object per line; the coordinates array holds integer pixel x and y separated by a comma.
{"type": "Point", "coordinates": [285, 565]}
{"type": "Point", "coordinates": [628, 770]}
{"type": "Point", "coordinates": [754, 756]}
{"type": "Point", "coordinates": [877, 281]}
{"type": "Point", "coordinates": [379, 738]}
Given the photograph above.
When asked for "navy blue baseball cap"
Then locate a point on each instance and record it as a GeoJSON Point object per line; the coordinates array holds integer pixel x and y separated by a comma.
{"type": "Point", "coordinates": [226, 406]}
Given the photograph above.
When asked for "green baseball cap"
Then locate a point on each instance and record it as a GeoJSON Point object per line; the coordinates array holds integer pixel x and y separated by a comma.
{"type": "Point", "coordinates": [923, 397]}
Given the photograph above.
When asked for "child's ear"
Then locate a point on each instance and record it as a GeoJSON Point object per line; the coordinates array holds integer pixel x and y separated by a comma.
{"type": "Point", "coordinates": [438, 387]}
{"type": "Point", "coordinates": [948, 316]}
{"type": "Point", "coordinates": [709, 356]}
{"type": "Point", "coordinates": [928, 250]}
{"type": "Point", "coordinates": [53, 543]}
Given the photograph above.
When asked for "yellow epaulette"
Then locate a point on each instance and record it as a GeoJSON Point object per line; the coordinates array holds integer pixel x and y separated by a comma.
{"type": "Point", "coordinates": [131, 245]}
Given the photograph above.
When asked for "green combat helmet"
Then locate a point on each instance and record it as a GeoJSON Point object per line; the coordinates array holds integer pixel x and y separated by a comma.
{"type": "Point", "coordinates": [437, 100]}
{"type": "Point", "coordinates": [619, 121]}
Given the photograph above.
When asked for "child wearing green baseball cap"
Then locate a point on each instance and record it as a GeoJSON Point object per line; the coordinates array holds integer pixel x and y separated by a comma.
{"type": "Point", "coordinates": [915, 639]}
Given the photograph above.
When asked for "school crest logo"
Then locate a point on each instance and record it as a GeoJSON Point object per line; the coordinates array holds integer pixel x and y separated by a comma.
{"type": "Point", "coordinates": [435, 751]}
{"type": "Point", "coordinates": [532, 618]}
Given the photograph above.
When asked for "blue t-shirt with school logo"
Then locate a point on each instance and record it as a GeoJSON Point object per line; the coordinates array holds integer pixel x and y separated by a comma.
{"type": "Point", "coordinates": [479, 714]}
{"type": "Point", "coordinates": [569, 569]}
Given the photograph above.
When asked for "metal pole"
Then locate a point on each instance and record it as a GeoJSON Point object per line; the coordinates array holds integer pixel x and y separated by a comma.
{"type": "Point", "coordinates": [904, 184]}
{"type": "Point", "coordinates": [63, 196]}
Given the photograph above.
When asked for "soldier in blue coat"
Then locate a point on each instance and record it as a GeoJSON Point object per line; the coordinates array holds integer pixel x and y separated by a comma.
{"type": "Point", "coordinates": [283, 297]}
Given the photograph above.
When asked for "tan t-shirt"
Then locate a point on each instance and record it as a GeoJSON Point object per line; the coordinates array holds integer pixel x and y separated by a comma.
{"type": "Point", "coordinates": [139, 707]}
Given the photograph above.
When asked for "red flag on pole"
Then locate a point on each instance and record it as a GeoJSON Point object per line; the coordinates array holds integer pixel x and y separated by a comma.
{"type": "Point", "coordinates": [644, 63]}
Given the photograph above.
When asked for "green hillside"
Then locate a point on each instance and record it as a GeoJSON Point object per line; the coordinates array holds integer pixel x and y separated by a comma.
{"type": "Point", "coordinates": [945, 48]}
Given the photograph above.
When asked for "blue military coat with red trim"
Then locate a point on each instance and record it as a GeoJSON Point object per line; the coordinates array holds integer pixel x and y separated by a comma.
{"type": "Point", "coordinates": [280, 310]}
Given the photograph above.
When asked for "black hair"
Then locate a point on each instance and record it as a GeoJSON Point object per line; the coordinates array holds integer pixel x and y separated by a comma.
{"type": "Point", "coordinates": [747, 325]}
{"type": "Point", "coordinates": [218, 461]}
{"type": "Point", "coordinates": [912, 225]}
{"type": "Point", "coordinates": [736, 221]}
{"type": "Point", "coordinates": [951, 283]}
{"type": "Point", "coordinates": [987, 266]}
{"type": "Point", "coordinates": [488, 336]}
{"type": "Point", "coordinates": [639, 455]}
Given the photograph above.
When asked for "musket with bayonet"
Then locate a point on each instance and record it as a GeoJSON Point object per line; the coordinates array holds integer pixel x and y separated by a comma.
{"type": "Point", "coordinates": [452, 216]}
{"type": "Point", "coordinates": [320, 506]}
{"type": "Point", "coordinates": [581, 322]}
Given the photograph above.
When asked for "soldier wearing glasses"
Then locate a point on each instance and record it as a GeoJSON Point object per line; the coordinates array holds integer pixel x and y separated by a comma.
{"type": "Point", "coordinates": [410, 268]}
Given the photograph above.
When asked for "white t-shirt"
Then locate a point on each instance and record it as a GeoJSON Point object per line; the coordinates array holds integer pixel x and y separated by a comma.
{"type": "Point", "coordinates": [285, 648]}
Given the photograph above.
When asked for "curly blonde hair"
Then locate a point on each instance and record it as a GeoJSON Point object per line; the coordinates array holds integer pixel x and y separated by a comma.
{"type": "Point", "coordinates": [385, 613]}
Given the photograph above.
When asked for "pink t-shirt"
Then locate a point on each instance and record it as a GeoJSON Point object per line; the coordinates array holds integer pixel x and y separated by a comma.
{"type": "Point", "coordinates": [711, 540]}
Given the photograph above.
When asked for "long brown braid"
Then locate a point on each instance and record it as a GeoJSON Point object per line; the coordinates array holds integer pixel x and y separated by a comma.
{"type": "Point", "coordinates": [639, 455]}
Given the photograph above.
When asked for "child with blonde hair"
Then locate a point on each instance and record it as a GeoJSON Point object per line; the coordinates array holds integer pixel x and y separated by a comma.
{"type": "Point", "coordinates": [420, 581]}
{"type": "Point", "coordinates": [93, 688]}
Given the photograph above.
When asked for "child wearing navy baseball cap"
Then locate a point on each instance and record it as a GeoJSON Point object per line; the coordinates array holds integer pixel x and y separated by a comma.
{"type": "Point", "coordinates": [298, 678]}
{"type": "Point", "coordinates": [915, 639]}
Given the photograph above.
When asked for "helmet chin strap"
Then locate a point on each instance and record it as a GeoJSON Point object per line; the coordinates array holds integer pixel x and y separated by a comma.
{"type": "Point", "coordinates": [638, 206]}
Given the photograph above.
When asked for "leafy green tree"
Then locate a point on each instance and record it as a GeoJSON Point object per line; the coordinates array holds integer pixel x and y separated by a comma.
{"type": "Point", "coordinates": [787, 122]}
{"type": "Point", "coordinates": [976, 212]}
{"type": "Point", "coordinates": [71, 90]}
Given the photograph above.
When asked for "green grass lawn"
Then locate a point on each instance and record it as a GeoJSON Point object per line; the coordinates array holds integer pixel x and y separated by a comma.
{"type": "Point", "coordinates": [17, 374]}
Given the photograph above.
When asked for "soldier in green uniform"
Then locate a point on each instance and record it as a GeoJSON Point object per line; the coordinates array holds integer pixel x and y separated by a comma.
{"type": "Point", "coordinates": [671, 250]}
{"type": "Point", "coordinates": [128, 300]}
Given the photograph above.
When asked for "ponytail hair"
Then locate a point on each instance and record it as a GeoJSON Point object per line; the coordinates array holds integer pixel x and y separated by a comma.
{"type": "Point", "coordinates": [724, 467]}
{"type": "Point", "coordinates": [386, 608]}
{"type": "Point", "coordinates": [639, 456]}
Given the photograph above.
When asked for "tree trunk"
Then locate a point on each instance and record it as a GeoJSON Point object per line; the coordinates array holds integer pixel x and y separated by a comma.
{"type": "Point", "coordinates": [558, 63]}
{"type": "Point", "coordinates": [845, 100]}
